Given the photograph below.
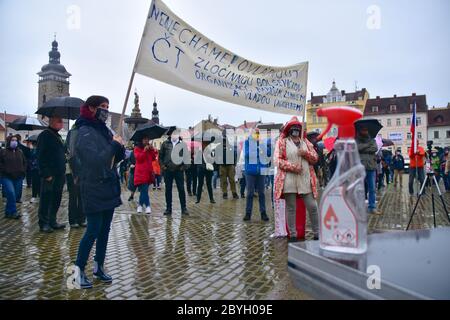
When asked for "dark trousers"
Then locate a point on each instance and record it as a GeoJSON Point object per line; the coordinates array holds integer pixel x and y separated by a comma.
{"type": "Point", "coordinates": [98, 227]}
{"type": "Point", "coordinates": [412, 176]}
{"type": "Point", "coordinates": [203, 174]}
{"type": "Point", "coordinates": [242, 186]}
{"type": "Point", "coordinates": [76, 214]}
{"type": "Point", "coordinates": [169, 177]}
{"type": "Point", "coordinates": [387, 174]}
{"type": "Point", "coordinates": [51, 192]}
{"type": "Point", "coordinates": [35, 184]}
{"type": "Point", "coordinates": [255, 182]}
{"type": "Point", "coordinates": [29, 178]}
{"type": "Point", "coordinates": [191, 179]}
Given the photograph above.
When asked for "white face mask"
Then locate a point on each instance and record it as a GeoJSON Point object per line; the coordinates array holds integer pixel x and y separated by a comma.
{"type": "Point", "coordinates": [295, 133]}
{"type": "Point", "coordinates": [175, 138]}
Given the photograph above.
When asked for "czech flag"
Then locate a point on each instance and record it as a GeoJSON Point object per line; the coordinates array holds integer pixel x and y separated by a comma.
{"type": "Point", "coordinates": [413, 129]}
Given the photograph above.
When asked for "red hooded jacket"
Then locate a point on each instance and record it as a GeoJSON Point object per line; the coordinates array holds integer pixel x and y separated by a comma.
{"type": "Point", "coordinates": [143, 172]}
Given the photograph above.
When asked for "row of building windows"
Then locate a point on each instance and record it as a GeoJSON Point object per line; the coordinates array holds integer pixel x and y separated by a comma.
{"type": "Point", "coordinates": [436, 134]}
{"type": "Point", "coordinates": [392, 108]}
{"type": "Point", "coordinates": [398, 122]}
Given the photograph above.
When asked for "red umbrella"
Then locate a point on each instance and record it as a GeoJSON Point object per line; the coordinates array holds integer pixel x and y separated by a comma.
{"type": "Point", "coordinates": [329, 143]}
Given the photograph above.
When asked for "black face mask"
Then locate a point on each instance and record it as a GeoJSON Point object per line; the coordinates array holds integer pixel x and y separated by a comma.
{"type": "Point", "coordinates": [102, 115]}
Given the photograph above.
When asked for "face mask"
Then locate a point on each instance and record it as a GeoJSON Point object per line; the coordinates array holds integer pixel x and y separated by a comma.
{"type": "Point", "coordinates": [13, 144]}
{"type": "Point", "coordinates": [295, 133]}
{"type": "Point", "coordinates": [101, 115]}
{"type": "Point", "coordinates": [175, 138]}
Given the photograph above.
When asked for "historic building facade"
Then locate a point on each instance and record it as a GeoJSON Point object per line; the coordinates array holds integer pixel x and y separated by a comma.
{"type": "Point", "coordinates": [439, 126]}
{"type": "Point", "coordinates": [395, 114]}
{"type": "Point", "coordinates": [334, 97]}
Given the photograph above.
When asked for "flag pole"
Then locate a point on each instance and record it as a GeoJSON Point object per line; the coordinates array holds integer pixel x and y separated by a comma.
{"type": "Point", "coordinates": [130, 84]}
{"type": "Point", "coordinates": [304, 107]}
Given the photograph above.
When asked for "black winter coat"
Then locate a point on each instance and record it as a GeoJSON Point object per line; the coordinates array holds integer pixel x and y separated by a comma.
{"type": "Point", "coordinates": [51, 155]}
{"type": "Point", "coordinates": [165, 156]}
{"type": "Point", "coordinates": [99, 181]}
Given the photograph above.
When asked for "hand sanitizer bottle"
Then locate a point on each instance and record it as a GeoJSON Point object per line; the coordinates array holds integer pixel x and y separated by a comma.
{"type": "Point", "coordinates": [342, 210]}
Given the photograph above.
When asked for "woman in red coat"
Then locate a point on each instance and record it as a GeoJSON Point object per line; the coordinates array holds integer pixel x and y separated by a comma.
{"type": "Point", "coordinates": [145, 154]}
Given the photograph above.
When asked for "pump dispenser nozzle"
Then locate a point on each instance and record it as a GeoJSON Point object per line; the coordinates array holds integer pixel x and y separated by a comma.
{"type": "Point", "coordinates": [343, 117]}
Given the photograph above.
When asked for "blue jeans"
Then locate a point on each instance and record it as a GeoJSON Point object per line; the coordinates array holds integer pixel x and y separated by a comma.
{"type": "Point", "coordinates": [13, 192]}
{"type": "Point", "coordinates": [157, 183]}
{"type": "Point", "coordinates": [370, 181]}
{"type": "Point", "coordinates": [144, 199]}
{"type": "Point", "coordinates": [255, 181]}
{"type": "Point", "coordinates": [98, 227]}
{"type": "Point", "coordinates": [214, 178]}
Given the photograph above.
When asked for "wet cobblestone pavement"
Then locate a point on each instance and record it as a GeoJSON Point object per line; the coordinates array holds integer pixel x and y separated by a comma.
{"type": "Point", "coordinates": [212, 254]}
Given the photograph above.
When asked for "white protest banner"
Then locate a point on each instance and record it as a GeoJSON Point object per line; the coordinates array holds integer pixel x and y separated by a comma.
{"type": "Point", "coordinates": [173, 52]}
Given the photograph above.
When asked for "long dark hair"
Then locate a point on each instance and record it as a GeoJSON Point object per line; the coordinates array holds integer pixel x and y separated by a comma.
{"type": "Point", "coordinates": [140, 143]}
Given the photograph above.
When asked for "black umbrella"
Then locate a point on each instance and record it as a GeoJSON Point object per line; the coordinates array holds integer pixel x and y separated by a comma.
{"type": "Point", "coordinates": [373, 125]}
{"type": "Point", "coordinates": [27, 124]}
{"type": "Point", "coordinates": [151, 131]}
{"type": "Point", "coordinates": [32, 138]}
{"type": "Point", "coordinates": [64, 107]}
{"type": "Point", "coordinates": [387, 142]}
{"type": "Point", "coordinates": [171, 130]}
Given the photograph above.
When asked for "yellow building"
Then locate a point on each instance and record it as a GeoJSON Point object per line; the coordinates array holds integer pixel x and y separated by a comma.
{"type": "Point", "coordinates": [334, 97]}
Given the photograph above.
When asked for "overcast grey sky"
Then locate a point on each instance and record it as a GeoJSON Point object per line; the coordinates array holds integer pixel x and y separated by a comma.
{"type": "Point", "coordinates": [409, 52]}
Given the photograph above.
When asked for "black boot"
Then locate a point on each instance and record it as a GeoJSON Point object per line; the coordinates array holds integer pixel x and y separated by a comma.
{"type": "Point", "coordinates": [225, 195]}
{"type": "Point", "coordinates": [264, 217]}
{"type": "Point", "coordinates": [168, 212]}
{"type": "Point", "coordinates": [84, 281]}
{"type": "Point", "coordinates": [235, 196]}
{"type": "Point", "coordinates": [212, 200]}
{"type": "Point", "coordinates": [247, 217]}
{"type": "Point", "coordinates": [46, 229]}
{"type": "Point", "coordinates": [58, 226]}
{"type": "Point", "coordinates": [100, 274]}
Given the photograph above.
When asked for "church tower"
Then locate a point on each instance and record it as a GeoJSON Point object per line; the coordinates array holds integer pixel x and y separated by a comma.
{"type": "Point", "coordinates": [155, 113]}
{"type": "Point", "coordinates": [53, 78]}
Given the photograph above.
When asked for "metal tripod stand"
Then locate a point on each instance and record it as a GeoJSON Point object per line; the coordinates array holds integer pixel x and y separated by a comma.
{"type": "Point", "coordinates": [432, 177]}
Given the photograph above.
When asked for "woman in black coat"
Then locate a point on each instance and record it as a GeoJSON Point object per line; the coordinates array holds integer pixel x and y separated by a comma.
{"type": "Point", "coordinates": [98, 153]}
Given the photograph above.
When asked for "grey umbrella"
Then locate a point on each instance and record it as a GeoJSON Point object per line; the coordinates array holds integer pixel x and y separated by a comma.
{"type": "Point", "coordinates": [27, 124]}
{"type": "Point", "coordinates": [64, 107]}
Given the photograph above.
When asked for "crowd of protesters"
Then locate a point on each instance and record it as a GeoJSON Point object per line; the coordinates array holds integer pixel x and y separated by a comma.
{"type": "Point", "coordinates": [96, 166]}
